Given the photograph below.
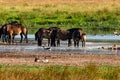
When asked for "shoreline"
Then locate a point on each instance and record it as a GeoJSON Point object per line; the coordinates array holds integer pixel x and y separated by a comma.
{"type": "Point", "coordinates": [58, 59]}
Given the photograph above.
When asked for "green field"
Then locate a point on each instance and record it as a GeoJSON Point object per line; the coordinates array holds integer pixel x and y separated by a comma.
{"type": "Point", "coordinates": [62, 13]}
{"type": "Point", "coordinates": [89, 72]}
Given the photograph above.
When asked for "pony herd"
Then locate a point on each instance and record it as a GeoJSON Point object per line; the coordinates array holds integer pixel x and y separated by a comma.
{"type": "Point", "coordinates": [53, 34]}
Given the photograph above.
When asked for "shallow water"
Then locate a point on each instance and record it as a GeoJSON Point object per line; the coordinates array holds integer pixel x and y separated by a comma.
{"type": "Point", "coordinates": [91, 47]}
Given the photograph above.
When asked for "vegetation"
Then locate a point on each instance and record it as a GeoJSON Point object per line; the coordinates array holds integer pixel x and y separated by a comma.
{"type": "Point", "coordinates": [89, 72]}
{"type": "Point", "coordinates": [62, 13]}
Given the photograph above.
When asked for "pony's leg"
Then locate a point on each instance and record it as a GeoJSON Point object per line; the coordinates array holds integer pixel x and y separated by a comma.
{"type": "Point", "coordinates": [83, 43]}
{"type": "Point", "coordinates": [13, 38]}
{"type": "Point", "coordinates": [39, 42]}
{"type": "Point", "coordinates": [53, 42]}
{"type": "Point", "coordinates": [25, 32]}
{"type": "Point", "coordinates": [6, 38]}
{"type": "Point", "coordinates": [26, 38]}
{"type": "Point", "coordinates": [58, 42]}
{"type": "Point", "coordinates": [77, 43]}
{"type": "Point", "coordinates": [3, 37]}
{"type": "Point", "coordinates": [69, 43]}
{"type": "Point", "coordinates": [74, 43]}
{"type": "Point", "coordinates": [48, 42]}
{"type": "Point", "coordinates": [10, 38]}
{"type": "Point", "coordinates": [21, 37]}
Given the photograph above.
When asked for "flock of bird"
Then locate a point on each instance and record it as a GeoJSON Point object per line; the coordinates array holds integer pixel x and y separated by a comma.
{"type": "Point", "coordinates": [45, 60]}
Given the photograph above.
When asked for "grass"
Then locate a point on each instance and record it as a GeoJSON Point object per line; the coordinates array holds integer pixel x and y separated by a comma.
{"type": "Point", "coordinates": [62, 13]}
{"type": "Point", "coordinates": [88, 72]}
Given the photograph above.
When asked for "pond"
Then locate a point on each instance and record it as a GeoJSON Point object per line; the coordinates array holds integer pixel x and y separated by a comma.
{"type": "Point", "coordinates": [91, 47]}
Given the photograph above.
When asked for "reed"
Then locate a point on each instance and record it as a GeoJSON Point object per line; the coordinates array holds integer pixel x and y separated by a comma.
{"type": "Point", "coordinates": [88, 72]}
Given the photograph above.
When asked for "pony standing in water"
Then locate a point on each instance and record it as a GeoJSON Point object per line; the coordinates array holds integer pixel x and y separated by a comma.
{"type": "Point", "coordinates": [42, 33]}
{"type": "Point", "coordinates": [45, 33]}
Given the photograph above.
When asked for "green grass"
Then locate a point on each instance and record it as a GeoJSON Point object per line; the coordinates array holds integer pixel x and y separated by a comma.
{"type": "Point", "coordinates": [88, 72]}
{"type": "Point", "coordinates": [62, 13]}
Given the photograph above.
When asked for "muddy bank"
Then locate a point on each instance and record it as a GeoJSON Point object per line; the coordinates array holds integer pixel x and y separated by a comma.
{"type": "Point", "coordinates": [59, 59]}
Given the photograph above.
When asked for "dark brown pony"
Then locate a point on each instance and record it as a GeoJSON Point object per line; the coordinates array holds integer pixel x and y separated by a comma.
{"type": "Point", "coordinates": [45, 33]}
{"type": "Point", "coordinates": [70, 35]}
{"type": "Point", "coordinates": [77, 36]}
{"type": "Point", "coordinates": [53, 35]}
{"type": "Point", "coordinates": [59, 35]}
{"type": "Point", "coordinates": [63, 35]}
{"type": "Point", "coordinates": [42, 33]}
{"type": "Point", "coordinates": [13, 29]}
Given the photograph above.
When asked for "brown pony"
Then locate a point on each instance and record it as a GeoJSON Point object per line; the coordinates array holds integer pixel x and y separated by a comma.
{"type": "Point", "coordinates": [59, 35]}
{"type": "Point", "coordinates": [77, 36]}
{"type": "Point", "coordinates": [70, 35]}
{"type": "Point", "coordinates": [42, 33]}
{"type": "Point", "coordinates": [45, 33]}
{"type": "Point", "coordinates": [13, 29]}
{"type": "Point", "coordinates": [53, 35]}
{"type": "Point", "coordinates": [63, 35]}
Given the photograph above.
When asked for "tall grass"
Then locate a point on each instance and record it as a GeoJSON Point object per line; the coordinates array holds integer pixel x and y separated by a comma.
{"type": "Point", "coordinates": [89, 72]}
{"type": "Point", "coordinates": [62, 13]}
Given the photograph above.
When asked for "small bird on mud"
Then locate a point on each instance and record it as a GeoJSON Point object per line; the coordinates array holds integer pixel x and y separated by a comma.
{"type": "Point", "coordinates": [46, 48]}
{"type": "Point", "coordinates": [36, 59]}
{"type": "Point", "coordinates": [45, 60]}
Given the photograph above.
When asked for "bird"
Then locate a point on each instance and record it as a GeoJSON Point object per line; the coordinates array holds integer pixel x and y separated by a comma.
{"type": "Point", "coordinates": [46, 48]}
{"type": "Point", "coordinates": [116, 33]}
{"type": "Point", "coordinates": [36, 59]}
{"type": "Point", "coordinates": [45, 60]}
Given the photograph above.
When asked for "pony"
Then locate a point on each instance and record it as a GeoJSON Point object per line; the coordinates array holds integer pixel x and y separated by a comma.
{"type": "Point", "coordinates": [77, 36]}
{"type": "Point", "coordinates": [71, 30]}
{"type": "Point", "coordinates": [58, 35]}
{"type": "Point", "coordinates": [45, 33]}
{"type": "Point", "coordinates": [11, 29]}
{"type": "Point", "coordinates": [42, 33]}
{"type": "Point", "coordinates": [53, 35]}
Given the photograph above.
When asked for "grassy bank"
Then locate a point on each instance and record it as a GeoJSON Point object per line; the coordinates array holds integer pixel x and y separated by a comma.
{"type": "Point", "coordinates": [89, 72]}
{"type": "Point", "coordinates": [62, 13]}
